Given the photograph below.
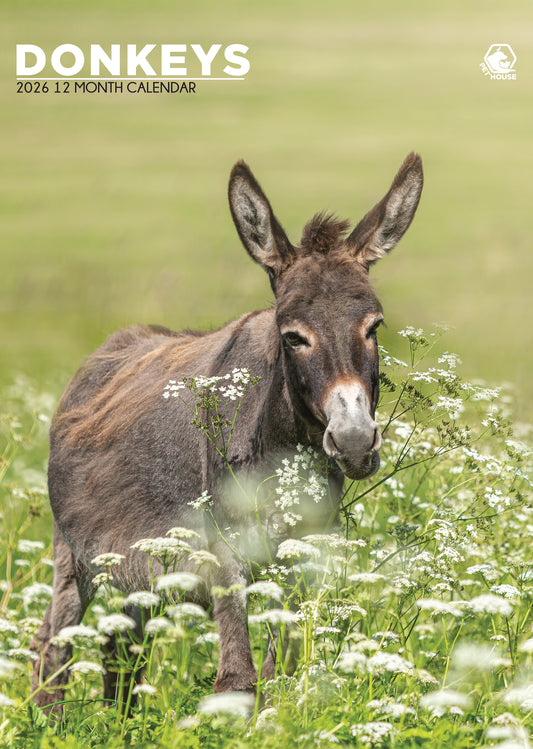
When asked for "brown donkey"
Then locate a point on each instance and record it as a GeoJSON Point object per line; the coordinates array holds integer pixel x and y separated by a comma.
{"type": "Point", "coordinates": [125, 463]}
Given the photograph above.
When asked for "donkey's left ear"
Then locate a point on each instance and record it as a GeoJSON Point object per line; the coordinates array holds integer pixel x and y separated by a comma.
{"type": "Point", "coordinates": [383, 227]}
{"type": "Point", "coordinates": [259, 230]}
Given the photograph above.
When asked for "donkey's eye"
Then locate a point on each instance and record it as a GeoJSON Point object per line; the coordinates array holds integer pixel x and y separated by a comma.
{"type": "Point", "coordinates": [372, 333]}
{"type": "Point", "coordinates": [295, 340]}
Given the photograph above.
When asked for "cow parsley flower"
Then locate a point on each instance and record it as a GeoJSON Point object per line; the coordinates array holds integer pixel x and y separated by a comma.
{"type": "Point", "coordinates": [488, 603]}
{"type": "Point", "coordinates": [108, 560]}
{"type": "Point", "coordinates": [25, 546]}
{"type": "Point", "coordinates": [453, 406]}
{"type": "Point", "coordinates": [87, 667]}
{"type": "Point", "coordinates": [267, 588]}
{"type": "Point", "coordinates": [352, 661]}
{"type": "Point", "coordinates": [381, 662]}
{"type": "Point", "coordinates": [445, 700]}
{"type": "Point", "coordinates": [37, 593]}
{"type": "Point", "coordinates": [6, 701]}
{"type": "Point", "coordinates": [507, 591]}
{"type": "Point", "coordinates": [526, 646]}
{"type": "Point", "coordinates": [439, 608]}
{"type": "Point", "coordinates": [293, 547]}
{"type": "Point", "coordinates": [368, 578]}
{"type": "Point", "coordinates": [157, 625]}
{"type": "Point", "coordinates": [144, 689]}
{"type": "Point", "coordinates": [374, 733]}
{"type": "Point", "coordinates": [274, 617]}
{"type": "Point", "coordinates": [145, 599]}
{"type": "Point", "coordinates": [201, 556]}
{"type": "Point", "coordinates": [115, 623]}
{"type": "Point", "coordinates": [204, 500]}
{"type": "Point", "coordinates": [8, 668]}
{"type": "Point", "coordinates": [522, 697]}
{"type": "Point", "coordinates": [183, 610]}
{"type": "Point", "coordinates": [239, 704]}
{"type": "Point", "coordinates": [184, 533]}
{"type": "Point", "coordinates": [7, 626]}
{"type": "Point", "coordinates": [76, 634]}
{"type": "Point", "coordinates": [178, 580]}
{"type": "Point", "coordinates": [167, 550]}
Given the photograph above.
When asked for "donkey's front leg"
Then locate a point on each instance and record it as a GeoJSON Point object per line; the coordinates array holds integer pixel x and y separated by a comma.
{"type": "Point", "coordinates": [236, 672]}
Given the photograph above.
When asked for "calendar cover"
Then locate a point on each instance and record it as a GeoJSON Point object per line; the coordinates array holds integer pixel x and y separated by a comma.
{"type": "Point", "coordinates": [121, 125]}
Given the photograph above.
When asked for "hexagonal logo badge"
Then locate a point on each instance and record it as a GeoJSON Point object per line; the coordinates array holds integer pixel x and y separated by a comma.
{"type": "Point", "coordinates": [499, 62]}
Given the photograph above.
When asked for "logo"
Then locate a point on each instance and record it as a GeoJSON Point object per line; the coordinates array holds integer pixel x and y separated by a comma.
{"type": "Point", "coordinates": [499, 62]}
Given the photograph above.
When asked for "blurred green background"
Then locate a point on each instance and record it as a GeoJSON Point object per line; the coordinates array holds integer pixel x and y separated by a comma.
{"type": "Point", "coordinates": [114, 210]}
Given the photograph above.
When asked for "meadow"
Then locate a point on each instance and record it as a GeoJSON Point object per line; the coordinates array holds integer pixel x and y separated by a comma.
{"type": "Point", "coordinates": [410, 619]}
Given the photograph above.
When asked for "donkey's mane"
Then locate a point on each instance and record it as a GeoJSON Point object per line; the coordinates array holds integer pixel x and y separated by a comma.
{"type": "Point", "coordinates": [324, 233]}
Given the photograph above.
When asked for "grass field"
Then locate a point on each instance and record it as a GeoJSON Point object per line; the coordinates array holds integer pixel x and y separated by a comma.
{"type": "Point", "coordinates": [113, 210]}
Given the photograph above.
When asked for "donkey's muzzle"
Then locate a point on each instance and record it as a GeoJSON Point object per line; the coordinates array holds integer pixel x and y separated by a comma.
{"type": "Point", "coordinates": [352, 437]}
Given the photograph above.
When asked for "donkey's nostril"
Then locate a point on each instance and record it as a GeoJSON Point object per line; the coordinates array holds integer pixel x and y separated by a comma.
{"type": "Point", "coordinates": [377, 440]}
{"type": "Point", "coordinates": [330, 446]}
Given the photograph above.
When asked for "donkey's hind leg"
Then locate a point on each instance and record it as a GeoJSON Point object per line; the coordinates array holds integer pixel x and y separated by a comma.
{"type": "Point", "coordinates": [65, 609]}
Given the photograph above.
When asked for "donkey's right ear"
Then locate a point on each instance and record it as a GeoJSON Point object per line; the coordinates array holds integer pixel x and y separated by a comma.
{"type": "Point", "coordinates": [259, 230]}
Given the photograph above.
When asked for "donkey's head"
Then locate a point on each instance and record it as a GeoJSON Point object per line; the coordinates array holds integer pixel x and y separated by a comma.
{"type": "Point", "coordinates": [326, 310]}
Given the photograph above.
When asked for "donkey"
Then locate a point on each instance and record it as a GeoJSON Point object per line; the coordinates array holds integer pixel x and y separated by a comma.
{"type": "Point", "coordinates": [125, 463]}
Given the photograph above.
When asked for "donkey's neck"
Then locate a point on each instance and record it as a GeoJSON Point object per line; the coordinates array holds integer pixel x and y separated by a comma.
{"type": "Point", "coordinates": [267, 421]}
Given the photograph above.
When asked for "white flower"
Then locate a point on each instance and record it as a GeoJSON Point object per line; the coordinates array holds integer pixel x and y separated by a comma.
{"type": "Point", "coordinates": [185, 533]}
{"type": "Point", "coordinates": [165, 549]}
{"type": "Point", "coordinates": [438, 607]}
{"type": "Point", "coordinates": [87, 667]}
{"type": "Point", "coordinates": [445, 700]}
{"type": "Point", "coordinates": [522, 697]}
{"type": "Point", "coordinates": [507, 591]}
{"type": "Point", "coordinates": [453, 406]}
{"type": "Point", "coordinates": [267, 588]}
{"type": "Point", "coordinates": [178, 580]}
{"type": "Point", "coordinates": [488, 603]}
{"type": "Point", "coordinates": [204, 500]}
{"type": "Point", "coordinates": [394, 709]}
{"type": "Point", "coordinates": [8, 668]}
{"type": "Point", "coordinates": [487, 570]}
{"type": "Point", "coordinates": [108, 560]}
{"type": "Point", "coordinates": [157, 625]}
{"type": "Point", "coordinates": [6, 701]}
{"type": "Point", "coordinates": [25, 546]}
{"type": "Point", "coordinates": [410, 332]}
{"type": "Point", "coordinates": [471, 656]}
{"type": "Point", "coordinates": [73, 634]}
{"type": "Point", "coordinates": [23, 654]}
{"type": "Point", "coordinates": [366, 577]}
{"type": "Point", "coordinates": [295, 548]}
{"type": "Point", "coordinates": [451, 360]}
{"type": "Point", "coordinates": [239, 704]}
{"type": "Point", "coordinates": [381, 662]}
{"type": "Point", "coordinates": [36, 592]}
{"type": "Point", "coordinates": [6, 626]}
{"type": "Point", "coordinates": [374, 733]}
{"type": "Point", "coordinates": [182, 610]}
{"type": "Point", "coordinates": [201, 556]}
{"type": "Point", "coordinates": [526, 646]}
{"type": "Point", "coordinates": [115, 623]}
{"type": "Point", "coordinates": [142, 598]}
{"type": "Point", "coordinates": [274, 616]}
{"type": "Point", "coordinates": [352, 661]}
{"type": "Point", "coordinates": [143, 689]}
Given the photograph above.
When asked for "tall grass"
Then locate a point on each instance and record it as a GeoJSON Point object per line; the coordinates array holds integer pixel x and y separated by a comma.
{"type": "Point", "coordinates": [408, 621]}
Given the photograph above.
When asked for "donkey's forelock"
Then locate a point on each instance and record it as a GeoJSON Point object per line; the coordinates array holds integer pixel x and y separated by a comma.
{"type": "Point", "coordinates": [325, 233]}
